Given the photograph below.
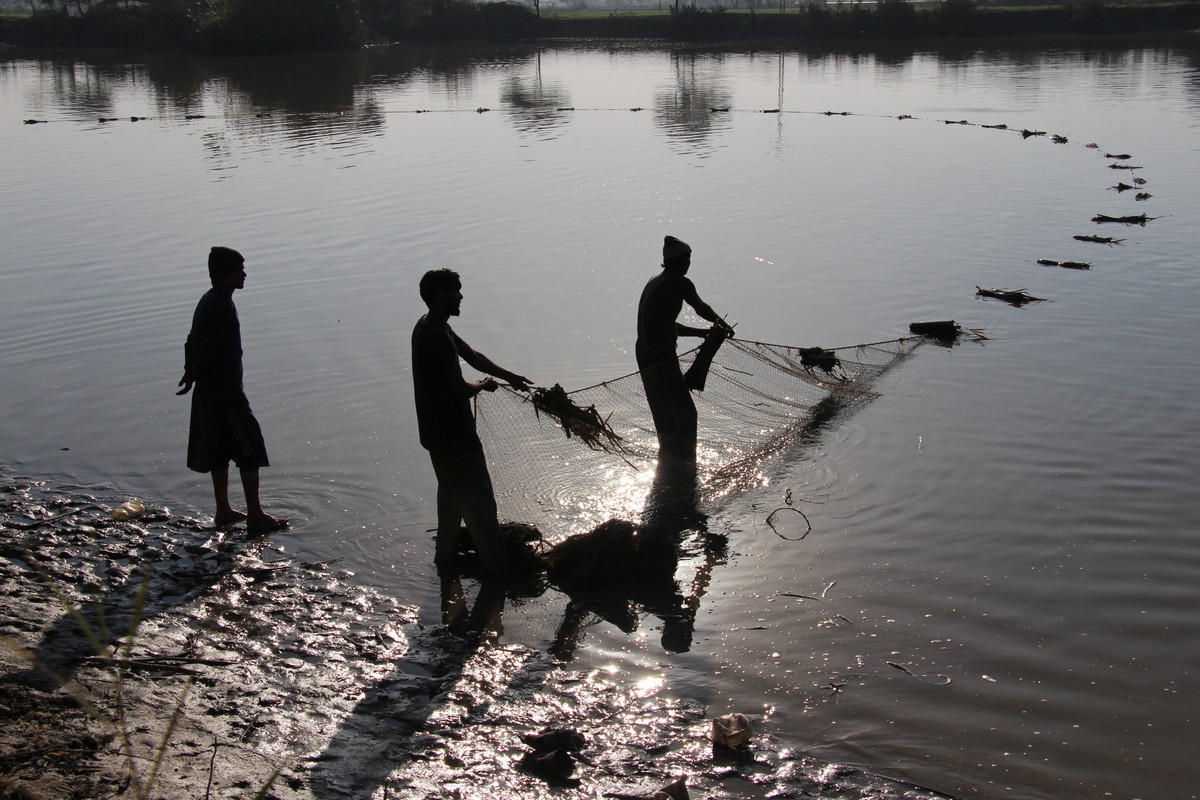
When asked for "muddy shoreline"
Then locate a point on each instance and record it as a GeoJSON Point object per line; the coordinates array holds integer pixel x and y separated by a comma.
{"type": "Point", "coordinates": [250, 673]}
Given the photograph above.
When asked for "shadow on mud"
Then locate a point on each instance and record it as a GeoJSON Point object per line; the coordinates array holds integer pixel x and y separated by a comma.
{"type": "Point", "coordinates": [102, 578]}
{"type": "Point", "coordinates": [461, 700]}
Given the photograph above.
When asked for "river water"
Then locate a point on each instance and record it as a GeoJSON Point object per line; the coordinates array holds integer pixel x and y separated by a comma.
{"type": "Point", "coordinates": [998, 594]}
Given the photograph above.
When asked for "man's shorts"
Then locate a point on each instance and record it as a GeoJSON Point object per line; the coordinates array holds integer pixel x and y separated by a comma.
{"type": "Point", "coordinates": [224, 432]}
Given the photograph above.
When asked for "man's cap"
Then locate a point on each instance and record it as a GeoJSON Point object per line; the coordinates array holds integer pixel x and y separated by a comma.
{"type": "Point", "coordinates": [222, 261]}
{"type": "Point", "coordinates": [675, 248]}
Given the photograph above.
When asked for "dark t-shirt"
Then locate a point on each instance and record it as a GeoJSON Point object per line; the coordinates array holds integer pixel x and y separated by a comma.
{"type": "Point", "coordinates": [444, 417]}
{"type": "Point", "coordinates": [213, 353]}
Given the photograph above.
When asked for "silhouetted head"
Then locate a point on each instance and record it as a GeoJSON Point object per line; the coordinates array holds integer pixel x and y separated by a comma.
{"type": "Point", "coordinates": [677, 255]}
{"type": "Point", "coordinates": [437, 282]}
{"type": "Point", "coordinates": [222, 261]}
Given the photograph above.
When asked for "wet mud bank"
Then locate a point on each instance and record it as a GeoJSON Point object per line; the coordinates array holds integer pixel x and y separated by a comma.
{"type": "Point", "coordinates": [162, 658]}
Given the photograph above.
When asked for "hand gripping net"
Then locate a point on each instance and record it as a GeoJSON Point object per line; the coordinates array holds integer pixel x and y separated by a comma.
{"type": "Point", "coordinates": [574, 459]}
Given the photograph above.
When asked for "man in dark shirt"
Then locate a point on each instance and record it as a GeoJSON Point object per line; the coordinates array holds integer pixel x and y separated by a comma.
{"type": "Point", "coordinates": [667, 393]}
{"type": "Point", "coordinates": [223, 427]}
{"type": "Point", "coordinates": [447, 425]}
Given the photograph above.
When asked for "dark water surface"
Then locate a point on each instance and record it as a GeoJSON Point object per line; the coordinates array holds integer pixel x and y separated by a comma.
{"type": "Point", "coordinates": [1001, 575]}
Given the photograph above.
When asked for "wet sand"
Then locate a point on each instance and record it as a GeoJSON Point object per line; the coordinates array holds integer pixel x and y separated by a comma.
{"type": "Point", "coordinates": [250, 673]}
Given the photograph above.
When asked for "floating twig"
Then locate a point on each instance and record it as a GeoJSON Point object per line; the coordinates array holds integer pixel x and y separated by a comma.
{"type": "Point", "coordinates": [1139, 219]}
{"type": "Point", "coordinates": [1016, 297]}
{"type": "Point", "coordinates": [1047, 262]}
{"type": "Point", "coordinates": [1108, 240]}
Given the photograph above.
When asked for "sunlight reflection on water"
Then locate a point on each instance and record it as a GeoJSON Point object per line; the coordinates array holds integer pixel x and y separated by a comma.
{"type": "Point", "coordinates": [1055, 459]}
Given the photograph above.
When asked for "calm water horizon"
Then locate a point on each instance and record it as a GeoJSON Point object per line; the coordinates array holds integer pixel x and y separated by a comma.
{"type": "Point", "coordinates": [1011, 521]}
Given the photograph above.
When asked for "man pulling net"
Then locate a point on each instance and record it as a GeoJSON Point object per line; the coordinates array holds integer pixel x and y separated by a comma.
{"type": "Point", "coordinates": [658, 329]}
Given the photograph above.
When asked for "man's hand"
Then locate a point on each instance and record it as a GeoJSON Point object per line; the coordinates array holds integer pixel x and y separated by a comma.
{"type": "Point", "coordinates": [186, 383]}
{"type": "Point", "coordinates": [487, 385]}
{"type": "Point", "coordinates": [519, 382]}
{"type": "Point", "coordinates": [724, 327]}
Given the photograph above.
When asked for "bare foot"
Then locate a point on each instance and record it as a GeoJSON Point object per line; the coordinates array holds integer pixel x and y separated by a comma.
{"type": "Point", "coordinates": [230, 517]}
{"type": "Point", "coordinates": [265, 524]}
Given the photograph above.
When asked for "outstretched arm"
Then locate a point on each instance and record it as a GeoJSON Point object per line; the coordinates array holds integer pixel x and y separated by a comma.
{"type": "Point", "coordinates": [484, 364]}
{"type": "Point", "coordinates": [704, 311]}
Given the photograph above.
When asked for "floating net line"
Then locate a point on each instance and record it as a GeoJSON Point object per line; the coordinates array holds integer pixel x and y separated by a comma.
{"type": "Point", "coordinates": [573, 460]}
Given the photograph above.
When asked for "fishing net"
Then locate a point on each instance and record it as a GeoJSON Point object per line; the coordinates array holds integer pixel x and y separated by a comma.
{"type": "Point", "coordinates": [566, 461]}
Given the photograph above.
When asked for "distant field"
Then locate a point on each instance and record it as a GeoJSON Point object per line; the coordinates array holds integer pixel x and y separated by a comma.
{"type": "Point", "coordinates": [792, 10]}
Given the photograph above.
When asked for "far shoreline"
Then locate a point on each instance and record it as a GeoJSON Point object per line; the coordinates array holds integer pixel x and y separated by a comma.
{"type": "Point", "coordinates": [106, 27]}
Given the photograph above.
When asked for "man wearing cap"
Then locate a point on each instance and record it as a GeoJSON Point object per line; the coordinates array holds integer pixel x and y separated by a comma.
{"type": "Point", "coordinates": [447, 425]}
{"type": "Point", "coordinates": [223, 427]}
{"type": "Point", "coordinates": [670, 401]}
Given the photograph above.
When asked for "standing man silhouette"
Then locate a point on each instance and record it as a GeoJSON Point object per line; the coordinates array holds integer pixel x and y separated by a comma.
{"type": "Point", "coordinates": [447, 425]}
{"type": "Point", "coordinates": [667, 393]}
{"type": "Point", "coordinates": [223, 427]}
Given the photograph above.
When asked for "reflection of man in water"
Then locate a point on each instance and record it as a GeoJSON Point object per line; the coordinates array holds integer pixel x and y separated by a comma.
{"type": "Point", "coordinates": [619, 573]}
{"type": "Point", "coordinates": [223, 428]}
{"type": "Point", "coordinates": [657, 330]}
{"type": "Point", "coordinates": [447, 425]}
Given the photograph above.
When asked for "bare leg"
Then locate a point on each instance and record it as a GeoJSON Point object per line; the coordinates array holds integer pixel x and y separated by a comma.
{"type": "Point", "coordinates": [449, 528]}
{"type": "Point", "coordinates": [256, 518]}
{"type": "Point", "coordinates": [465, 495]}
{"type": "Point", "coordinates": [226, 514]}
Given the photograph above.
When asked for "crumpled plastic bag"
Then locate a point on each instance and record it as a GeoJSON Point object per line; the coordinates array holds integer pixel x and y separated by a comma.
{"type": "Point", "coordinates": [732, 730]}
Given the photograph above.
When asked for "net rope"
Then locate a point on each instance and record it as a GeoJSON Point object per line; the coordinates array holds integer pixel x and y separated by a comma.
{"type": "Point", "coordinates": [760, 401]}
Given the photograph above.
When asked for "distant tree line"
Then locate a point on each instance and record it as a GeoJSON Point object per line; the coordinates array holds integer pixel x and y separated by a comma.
{"type": "Point", "coordinates": [257, 26]}
{"type": "Point", "coordinates": [263, 25]}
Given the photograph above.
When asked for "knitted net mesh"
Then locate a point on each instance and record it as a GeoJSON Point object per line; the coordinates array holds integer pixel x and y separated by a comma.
{"type": "Point", "coordinates": [565, 461]}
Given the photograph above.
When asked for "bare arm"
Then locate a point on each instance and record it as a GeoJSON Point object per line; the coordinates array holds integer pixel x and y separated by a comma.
{"type": "Point", "coordinates": [188, 378]}
{"type": "Point", "coordinates": [484, 364]}
{"type": "Point", "coordinates": [703, 310]}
